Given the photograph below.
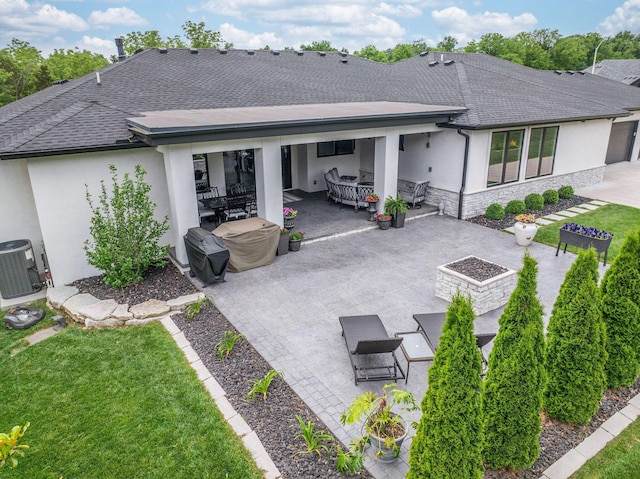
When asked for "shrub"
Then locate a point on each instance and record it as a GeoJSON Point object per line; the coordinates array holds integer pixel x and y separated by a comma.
{"type": "Point", "coordinates": [550, 197]}
{"type": "Point", "coordinates": [512, 397]}
{"type": "Point", "coordinates": [534, 201]}
{"type": "Point", "coordinates": [125, 234]}
{"type": "Point", "coordinates": [451, 407]}
{"type": "Point", "coordinates": [620, 290]}
{"type": "Point", "coordinates": [515, 207]}
{"type": "Point", "coordinates": [565, 192]}
{"type": "Point", "coordinates": [10, 447]}
{"type": "Point", "coordinates": [494, 211]}
{"type": "Point", "coordinates": [575, 349]}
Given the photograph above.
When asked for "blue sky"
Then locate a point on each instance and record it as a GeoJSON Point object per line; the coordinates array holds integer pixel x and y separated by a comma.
{"type": "Point", "coordinates": [352, 24]}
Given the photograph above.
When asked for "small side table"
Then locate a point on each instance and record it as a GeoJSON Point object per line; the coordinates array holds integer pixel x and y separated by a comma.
{"type": "Point", "coordinates": [415, 347]}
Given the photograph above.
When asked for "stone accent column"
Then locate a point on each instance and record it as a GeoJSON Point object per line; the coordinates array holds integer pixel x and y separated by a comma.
{"type": "Point", "coordinates": [268, 165]}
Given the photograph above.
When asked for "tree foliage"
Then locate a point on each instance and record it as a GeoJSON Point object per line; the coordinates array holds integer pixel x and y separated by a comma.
{"type": "Point", "coordinates": [197, 35]}
{"type": "Point", "coordinates": [448, 440]}
{"type": "Point", "coordinates": [321, 46]}
{"type": "Point", "coordinates": [124, 233]}
{"type": "Point", "coordinates": [575, 349]}
{"type": "Point", "coordinates": [512, 399]}
{"type": "Point", "coordinates": [64, 65]}
{"type": "Point", "coordinates": [621, 312]}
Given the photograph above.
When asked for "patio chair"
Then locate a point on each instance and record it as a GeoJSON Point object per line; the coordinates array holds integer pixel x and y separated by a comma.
{"type": "Point", "coordinates": [236, 208]}
{"type": "Point", "coordinates": [371, 350]}
{"type": "Point", "coordinates": [204, 211]}
{"type": "Point", "coordinates": [431, 324]}
{"type": "Point", "coordinates": [415, 196]}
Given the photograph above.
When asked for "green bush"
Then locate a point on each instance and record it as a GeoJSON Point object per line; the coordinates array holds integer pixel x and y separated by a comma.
{"type": "Point", "coordinates": [565, 192]}
{"type": "Point", "coordinates": [451, 407]}
{"type": "Point", "coordinates": [534, 201]}
{"type": "Point", "coordinates": [575, 349]}
{"type": "Point", "coordinates": [494, 211]}
{"type": "Point", "coordinates": [125, 234]}
{"type": "Point", "coordinates": [512, 399]}
{"type": "Point", "coordinates": [515, 207]}
{"type": "Point", "coordinates": [550, 197]}
{"type": "Point", "coordinates": [621, 313]}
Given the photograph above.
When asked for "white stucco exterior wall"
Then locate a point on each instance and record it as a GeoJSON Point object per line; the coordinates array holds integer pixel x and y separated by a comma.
{"type": "Point", "coordinates": [18, 214]}
{"type": "Point", "coordinates": [60, 198]}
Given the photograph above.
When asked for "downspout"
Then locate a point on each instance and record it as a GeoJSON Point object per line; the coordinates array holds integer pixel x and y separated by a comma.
{"type": "Point", "coordinates": [464, 171]}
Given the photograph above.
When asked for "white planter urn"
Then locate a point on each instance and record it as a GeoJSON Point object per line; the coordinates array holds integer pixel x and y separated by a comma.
{"type": "Point", "coordinates": [525, 232]}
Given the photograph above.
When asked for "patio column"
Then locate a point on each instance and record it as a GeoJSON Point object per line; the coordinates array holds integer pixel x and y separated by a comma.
{"type": "Point", "coordinates": [183, 206]}
{"type": "Point", "coordinates": [385, 166]}
{"type": "Point", "coordinates": [268, 164]}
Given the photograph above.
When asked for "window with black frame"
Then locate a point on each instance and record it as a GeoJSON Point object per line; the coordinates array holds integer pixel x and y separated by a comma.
{"type": "Point", "coordinates": [504, 157]}
{"type": "Point", "coordinates": [542, 151]}
{"type": "Point", "coordinates": [201, 173]}
{"type": "Point", "coordinates": [335, 148]}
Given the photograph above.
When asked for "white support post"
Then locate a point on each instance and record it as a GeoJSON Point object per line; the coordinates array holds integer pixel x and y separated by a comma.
{"type": "Point", "coordinates": [386, 166]}
{"type": "Point", "coordinates": [183, 203]}
{"type": "Point", "coordinates": [268, 164]}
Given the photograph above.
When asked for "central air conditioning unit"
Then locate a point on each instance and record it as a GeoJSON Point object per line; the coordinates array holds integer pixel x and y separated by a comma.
{"type": "Point", "coordinates": [18, 273]}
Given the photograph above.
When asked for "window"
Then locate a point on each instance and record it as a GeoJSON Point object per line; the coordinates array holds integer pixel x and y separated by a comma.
{"type": "Point", "coordinates": [542, 151]}
{"type": "Point", "coordinates": [334, 148]}
{"type": "Point", "coordinates": [504, 158]}
{"type": "Point", "coordinates": [201, 173]}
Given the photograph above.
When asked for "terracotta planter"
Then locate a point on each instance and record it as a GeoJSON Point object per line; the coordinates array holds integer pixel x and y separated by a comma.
{"type": "Point", "coordinates": [525, 232]}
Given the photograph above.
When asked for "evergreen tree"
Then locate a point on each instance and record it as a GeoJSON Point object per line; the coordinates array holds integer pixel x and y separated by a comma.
{"type": "Point", "coordinates": [448, 441]}
{"type": "Point", "coordinates": [621, 312]}
{"type": "Point", "coordinates": [512, 398]}
{"type": "Point", "coordinates": [575, 349]}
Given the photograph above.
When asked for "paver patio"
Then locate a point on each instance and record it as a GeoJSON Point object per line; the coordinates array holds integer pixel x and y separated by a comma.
{"type": "Point", "coordinates": [289, 310]}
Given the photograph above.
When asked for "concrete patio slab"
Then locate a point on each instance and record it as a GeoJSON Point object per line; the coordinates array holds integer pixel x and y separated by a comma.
{"type": "Point", "coordinates": [289, 310]}
{"type": "Point", "coordinates": [619, 185]}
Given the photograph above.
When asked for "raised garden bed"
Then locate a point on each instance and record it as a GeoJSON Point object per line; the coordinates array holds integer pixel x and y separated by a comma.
{"type": "Point", "coordinates": [584, 237]}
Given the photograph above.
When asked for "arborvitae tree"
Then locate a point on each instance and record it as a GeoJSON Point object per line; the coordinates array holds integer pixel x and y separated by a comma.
{"type": "Point", "coordinates": [448, 441]}
{"type": "Point", "coordinates": [512, 398]}
{"type": "Point", "coordinates": [575, 349]}
{"type": "Point", "coordinates": [621, 313]}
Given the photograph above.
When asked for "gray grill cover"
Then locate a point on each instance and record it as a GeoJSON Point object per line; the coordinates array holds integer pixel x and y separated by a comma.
{"type": "Point", "coordinates": [208, 255]}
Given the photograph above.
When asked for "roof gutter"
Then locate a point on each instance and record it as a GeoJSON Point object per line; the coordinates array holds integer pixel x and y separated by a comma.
{"type": "Point", "coordinates": [125, 145]}
{"type": "Point", "coordinates": [464, 171]}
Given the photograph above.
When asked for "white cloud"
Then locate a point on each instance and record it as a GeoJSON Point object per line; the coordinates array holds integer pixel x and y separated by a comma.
{"type": "Point", "coordinates": [625, 17]}
{"type": "Point", "coordinates": [116, 16]}
{"type": "Point", "coordinates": [465, 26]}
{"type": "Point", "coordinates": [244, 39]}
{"type": "Point", "coordinates": [402, 10]}
{"type": "Point", "coordinates": [98, 45]}
{"type": "Point", "coordinates": [49, 15]}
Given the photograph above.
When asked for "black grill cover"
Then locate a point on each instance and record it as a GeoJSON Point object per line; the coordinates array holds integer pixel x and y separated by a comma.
{"type": "Point", "coordinates": [208, 255]}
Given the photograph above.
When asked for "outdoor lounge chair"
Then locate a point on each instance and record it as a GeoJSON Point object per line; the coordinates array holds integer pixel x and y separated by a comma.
{"type": "Point", "coordinates": [416, 196]}
{"type": "Point", "coordinates": [366, 336]}
{"type": "Point", "coordinates": [431, 324]}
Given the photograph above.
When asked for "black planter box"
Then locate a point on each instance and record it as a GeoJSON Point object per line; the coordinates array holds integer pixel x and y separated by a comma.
{"type": "Point", "coordinates": [397, 221]}
{"type": "Point", "coordinates": [581, 241]}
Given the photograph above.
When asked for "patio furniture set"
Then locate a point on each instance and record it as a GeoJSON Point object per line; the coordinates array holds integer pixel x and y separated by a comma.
{"type": "Point", "coordinates": [372, 350]}
{"type": "Point", "coordinates": [238, 204]}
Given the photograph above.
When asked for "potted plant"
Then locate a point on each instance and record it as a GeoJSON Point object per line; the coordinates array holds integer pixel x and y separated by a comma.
{"type": "Point", "coordinates": [283, 244]}
{"type": "Point", "coordinates": [295, 239]}
{"type": "Point", "coordinates": [289, 215]}
{"type": "Point", "coordinates": [396, 207]}
{"type": "Point", "coordinates": [585, 237]}
{"type": "Point", "coordinates": [525, 229]}
{"type": "Point", "coordinates": [372, 207]}
{"type": "Point", "coordinates": [382, 427]}
{"type": "Point", "coordinates": [384, 220]}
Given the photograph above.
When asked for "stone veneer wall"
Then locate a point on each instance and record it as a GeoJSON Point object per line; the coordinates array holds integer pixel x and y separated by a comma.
{"type": "Point", "coordinates": [485, 295]}
{"type": "Point", "coordinates": [475, 204]}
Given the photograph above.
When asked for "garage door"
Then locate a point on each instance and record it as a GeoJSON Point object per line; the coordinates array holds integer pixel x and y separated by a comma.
{"type": "Point", "coordinates": [621, 141]}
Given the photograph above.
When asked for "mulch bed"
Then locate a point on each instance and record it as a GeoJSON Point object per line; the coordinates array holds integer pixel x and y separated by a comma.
{"type": "Point", "coordinates": [273, 420]}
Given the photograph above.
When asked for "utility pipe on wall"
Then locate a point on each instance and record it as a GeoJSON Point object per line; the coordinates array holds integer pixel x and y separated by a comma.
{"type": "Point", "coordinates": [464, 171]}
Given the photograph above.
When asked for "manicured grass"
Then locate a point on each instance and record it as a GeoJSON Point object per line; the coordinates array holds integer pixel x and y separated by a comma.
{"type": "Point", "coordinates": [617, 219]}
{"type": "Point", "coordinates": [620, 459]}
{"type": "Point", "coordinates": [120, 403]}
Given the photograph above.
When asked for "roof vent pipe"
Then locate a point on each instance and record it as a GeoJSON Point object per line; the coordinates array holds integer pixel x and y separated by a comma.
{"type": "Point", "coordinates": [98, 79]}
{"type": "Point", "coordinates": [120, 47]}
{"type": "Point", "coordinates": [442, 57]}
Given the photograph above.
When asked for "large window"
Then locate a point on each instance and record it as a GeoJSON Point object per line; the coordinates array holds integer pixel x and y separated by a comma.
{"type": "Point", "coordinates": [542, 151]}
{"type": "Point", "coordinates": [504, 158]}
{"type": "Point", "coordinates": [334, 148]}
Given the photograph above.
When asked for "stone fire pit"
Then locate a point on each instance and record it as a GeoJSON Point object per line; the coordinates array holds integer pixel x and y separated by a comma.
{"type": "Point", "coordinates": [488, 284]}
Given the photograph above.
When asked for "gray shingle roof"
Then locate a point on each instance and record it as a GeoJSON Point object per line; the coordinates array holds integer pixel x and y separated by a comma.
{"type": "Point", "coordinates": [81, 114]}
{"type": "Point", "coordinates": [625, 71]}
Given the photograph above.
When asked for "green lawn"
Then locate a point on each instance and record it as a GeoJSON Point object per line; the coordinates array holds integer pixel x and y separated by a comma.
{"type": "Point", "coordinates": [620, 459]}
{"type": "Point", "coordinates": [12, 340]}
{"type": "Point", "coordinates": [118, 403]}
{"type": "Point", "coordinates": [616, 219]}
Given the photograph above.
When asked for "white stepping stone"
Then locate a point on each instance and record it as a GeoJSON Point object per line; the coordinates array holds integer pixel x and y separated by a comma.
{"type": "Point", "coordinates": [569, 214]}
{"type": "Point", "coordinates": [599, 202]}
{"type": "Point", "coordinates": [587, 206]}
{"type": "Point", "coordinates": [553, 217]}
{"type": "Point", "coordinates": [543, 221]}
{"type": "Point", "coordinates": [580, 211]}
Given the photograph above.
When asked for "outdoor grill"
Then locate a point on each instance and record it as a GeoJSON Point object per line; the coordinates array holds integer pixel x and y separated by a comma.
{"type": "Point", "coordinates": [208, 255]}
